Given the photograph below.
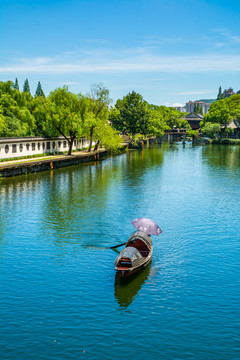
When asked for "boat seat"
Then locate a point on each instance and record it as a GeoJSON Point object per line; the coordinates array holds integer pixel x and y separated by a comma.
{"type": "Point", "coordinates": [141, 246]}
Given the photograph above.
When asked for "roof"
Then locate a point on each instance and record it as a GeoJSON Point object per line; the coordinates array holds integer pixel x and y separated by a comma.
{"type": "Point", "coordinates": [234, 124]}
{"type": "Point", "coordinates": [193, 117]}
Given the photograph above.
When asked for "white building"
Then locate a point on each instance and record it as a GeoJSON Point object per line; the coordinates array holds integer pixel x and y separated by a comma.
{"type": "Point", "coordinates": [180, 108]}
{"type": "Point", "coordinates": [190, 106]}
{"type": "Point", "coordinates": [20, 147]}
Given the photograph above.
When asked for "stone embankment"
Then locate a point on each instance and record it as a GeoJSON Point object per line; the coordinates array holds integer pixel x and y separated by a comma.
{"type": "Point", "coordinates": [20, 167]}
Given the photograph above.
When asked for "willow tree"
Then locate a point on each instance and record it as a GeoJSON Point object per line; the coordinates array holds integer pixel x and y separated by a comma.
{"type": "Point", "coordinates": [97, 113]}
{"type": "Point", "coordinates": [67, 112]}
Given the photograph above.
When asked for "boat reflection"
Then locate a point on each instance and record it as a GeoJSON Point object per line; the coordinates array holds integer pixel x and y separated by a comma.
{"type": "Point", "coordinates": [126, 289]}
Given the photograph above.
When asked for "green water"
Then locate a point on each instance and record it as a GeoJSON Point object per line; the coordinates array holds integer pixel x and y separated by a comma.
{"type": "Point", "coordinates": [59, 295]}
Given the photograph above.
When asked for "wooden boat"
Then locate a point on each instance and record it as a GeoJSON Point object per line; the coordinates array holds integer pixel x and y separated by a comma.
{"type": "Point", "coordinates": [136, 254]}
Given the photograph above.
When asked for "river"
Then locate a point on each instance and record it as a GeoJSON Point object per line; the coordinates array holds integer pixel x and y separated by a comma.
{"type": "Point", "coordinates": [59, 296]}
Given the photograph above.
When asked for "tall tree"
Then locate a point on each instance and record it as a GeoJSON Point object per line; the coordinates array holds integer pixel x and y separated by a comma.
{"type": "Point", "coordinates": [16, 86]}
{"type": "Point", "coordinates": [133, 115]}
{"type": "Point", "coordinates": [39, 90]}
{"type": "Point", "coordinates": [97, 113]}
{"type": "Point", "coordinates": [66, 111]}
{"type": "Point", "coordinates": [26, 87]}
{"type": "Point", "coordinates": [220, 94]}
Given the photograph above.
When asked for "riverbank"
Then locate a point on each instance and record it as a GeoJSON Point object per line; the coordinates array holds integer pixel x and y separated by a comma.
{"type": "Point", "coordinates": [32, 165]}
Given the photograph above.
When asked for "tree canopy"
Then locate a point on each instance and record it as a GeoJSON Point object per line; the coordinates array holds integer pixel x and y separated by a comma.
{"type": "Point", "coordinates": [66, 114]}
{"type": "Point", "coordinates": [76, 115]}
{"type": "Point", "coordinates": [222, 112]}
{"type": "Point", "coordinates": [132, 115]}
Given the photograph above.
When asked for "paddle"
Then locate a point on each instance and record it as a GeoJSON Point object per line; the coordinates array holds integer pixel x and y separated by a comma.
{"type": "Point", "coordinates": [116, 246]}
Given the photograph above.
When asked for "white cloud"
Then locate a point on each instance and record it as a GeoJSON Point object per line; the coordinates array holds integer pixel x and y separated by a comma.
{"type": "Point", "coordinates": [176, 104]}
{"type": "Point", "coordinates": [136, 60]}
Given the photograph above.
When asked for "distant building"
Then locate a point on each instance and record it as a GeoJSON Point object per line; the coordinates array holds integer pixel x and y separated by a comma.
{"type": "Point", "coordinates": [180, 108]}
{"type": "Point", "coordinates": [190, 106]}
{"type": "Point", "coordinates": [228, 92]}
{"type": "Point", "coordinates": [193, 120]}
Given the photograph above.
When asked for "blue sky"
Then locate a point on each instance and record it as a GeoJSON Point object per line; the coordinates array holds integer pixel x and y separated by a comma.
{"type": "Point", "coordinates": [168, 51]}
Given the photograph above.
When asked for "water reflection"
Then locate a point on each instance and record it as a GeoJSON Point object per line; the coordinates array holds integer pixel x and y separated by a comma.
{"type": "Point", "coordinates": [222, 156]}
{"type": "Point", "coordinates": [126, 289]}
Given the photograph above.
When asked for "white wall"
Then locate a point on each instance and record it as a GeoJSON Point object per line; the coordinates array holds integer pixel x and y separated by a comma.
{"type": "Point", "coordinates": [18, 147]}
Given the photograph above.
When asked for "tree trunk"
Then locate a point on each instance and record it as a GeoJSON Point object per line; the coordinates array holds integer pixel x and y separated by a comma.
{"type": "Point", "coordinates": [70, 142]}
{"type": "Point", "coordinates": [91, 135]}
{"type": "Point", "coordinates": [96, 146]}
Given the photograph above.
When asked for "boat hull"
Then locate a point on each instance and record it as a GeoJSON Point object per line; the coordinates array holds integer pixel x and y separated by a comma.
{"type": "Point", "coordinates": [128, 273]}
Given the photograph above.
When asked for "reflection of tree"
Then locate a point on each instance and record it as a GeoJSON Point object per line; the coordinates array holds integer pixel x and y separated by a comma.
{"type": "Point", "coordinates": [85, 201]}
{"type": "Point", "coordinates": [76, 197]}
{"type": "Point", "coordinates": [223, 156]}
{"type": "Point", "coordinates": [126, 289]}
{"type": "Point", "coordinates": [140, 161]}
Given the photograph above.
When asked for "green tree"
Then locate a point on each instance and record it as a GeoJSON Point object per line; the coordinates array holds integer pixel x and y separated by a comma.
{"type": "Point", "coordinates": [219, 112]}
{"type": "Point", "coordinates": [41, 109]}
{"type": "Point", "coordinates": [26, 87]}
{"type": "Point", "coordinates": [133, 115]}
{"type": "Point", "coordinates": [66, 112]}
{"type": "Point", "coordinates": [16, 86]}
{"type": "Point", "coordinates": [97, 113]}
{"type": "Point", "coordinates": [198, 109]}
{"type": "Point", "coordinates": [39, 90]}
{"type": "Point", "coordinates": [211, 129]}
{"type": "Point", "coordinates": [107, 137]}
{"type": "Point", "coordinates": [233, 103]}
{"type": "Point", "coordinates": [18, 121]}
{"type": "Point", "coordinates": [6, 87]}
{"type": "Point", "coordinates": [220, 94]}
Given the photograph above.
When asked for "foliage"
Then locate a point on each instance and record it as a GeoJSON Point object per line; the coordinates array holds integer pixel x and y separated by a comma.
{"type": "Point", "coordinates": [211, 129]}
{"type": "Point", "coordinates": [220, 94]}
{"type": "Point", "coordinates": [65, 114]}
{"type": "Point", "coordinates": [41, 109]}
{"type": "Point", "coordinates": [96, 114]}
{"type": "Point", "coordinates": [132, 115]}
{"type": "Point", "coordinates": [26, 87]}
{"type": "Point", "coordinates": [192, 133]}
{"type": "Point", "coordinates": [108, 137]}
{"type": "Point", "coordinates": [39, 90]}
{"type": "Point", "coordinates": [16, 86]}
{"type": "Point", "coordinates": [219, 112]}
{"type": "Point", "coordinates": [170, 116]}
{"type": "Point", "coordinates": [157, 123]}
{"type": "Point", "coordinates": [198, 109]}
{"type": "Point", "coordinates": [222, 112]}
{"type": "Point", "coordinates": [233, 103]}
{"type": "Point", "coordinates": [18, 121]}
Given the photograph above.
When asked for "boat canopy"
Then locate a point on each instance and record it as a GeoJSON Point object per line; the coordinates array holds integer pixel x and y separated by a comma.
{"type": "Point", "coordinates": [132, 254]}
{"type": "Point", "coordinates": [140, 235]}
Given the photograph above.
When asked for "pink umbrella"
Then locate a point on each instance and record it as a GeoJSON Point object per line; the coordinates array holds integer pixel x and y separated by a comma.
{"type": "Point", "coordinates": [147, 225]}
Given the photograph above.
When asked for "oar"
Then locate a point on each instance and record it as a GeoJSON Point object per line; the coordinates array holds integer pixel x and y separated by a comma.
{"type": "Point", "coordinates": [116, 246]}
